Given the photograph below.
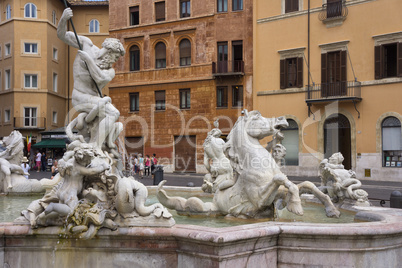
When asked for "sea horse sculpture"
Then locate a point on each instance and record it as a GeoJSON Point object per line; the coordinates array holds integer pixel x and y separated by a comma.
{"type": "Point", "coordinates": [259, 181]}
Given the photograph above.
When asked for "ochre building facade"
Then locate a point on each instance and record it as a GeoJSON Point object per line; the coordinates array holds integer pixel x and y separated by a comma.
{"type": "Point", "coordinates": [187, 64]}
{"type": "Point", "coordinates": [353, 103]}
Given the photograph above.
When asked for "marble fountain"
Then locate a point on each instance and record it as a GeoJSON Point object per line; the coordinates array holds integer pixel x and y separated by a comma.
{"type": "Point", "coordinates": [92, 215]}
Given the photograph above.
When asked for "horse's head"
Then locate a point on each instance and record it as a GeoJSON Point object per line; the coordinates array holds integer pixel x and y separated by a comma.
{"type": "Point", "coordinates": [259, 127]}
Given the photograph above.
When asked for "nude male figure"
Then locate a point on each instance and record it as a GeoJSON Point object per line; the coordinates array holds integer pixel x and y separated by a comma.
{"type": "Point", "coordinates": [94, 65]}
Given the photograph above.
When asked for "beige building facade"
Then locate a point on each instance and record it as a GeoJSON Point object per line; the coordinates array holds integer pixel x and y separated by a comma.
{"type": "Point", "coordinates": [36, 67]}
{"type": "Point", "coordinates": [353, 104]}
{"type": "Point", "coordinates": [187, 64]}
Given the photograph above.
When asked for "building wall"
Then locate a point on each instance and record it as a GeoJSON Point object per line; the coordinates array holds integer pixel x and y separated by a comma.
{"type": "Point", "coordinates": [276, 32]}
{"type": "Point", "coordinates": [204, 28]}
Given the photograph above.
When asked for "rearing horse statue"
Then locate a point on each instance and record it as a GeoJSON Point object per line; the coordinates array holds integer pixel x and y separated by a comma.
{"type": "Point", "coordinates": [258, 178]}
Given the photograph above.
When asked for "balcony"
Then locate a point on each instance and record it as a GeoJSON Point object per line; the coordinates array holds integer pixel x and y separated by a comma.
{"type": "Point", "coordinates": [333, 13]}
{"type": "Point", "coordinates": [338, 91]}
{"type": "Point", "coordinates": [228, 68]}
{"type": "Point", "coordinates": [37, 123]}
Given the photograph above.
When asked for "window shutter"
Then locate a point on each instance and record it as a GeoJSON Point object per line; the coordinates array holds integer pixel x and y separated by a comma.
{"type": "Point", "coordinates": [344, 74]}
{"type": "Point", "coordinates": [377, 62]}
{"type": "Point", "coordinates": [282, 69]}
{"type": "Point", "coordinates": [324, 75]}
{"type": "Point", "coordinates": [300, 72]}
{"type": "Point", "coordinates": [399, 63]}
{"type": "Point", "coordinates": [160, 11]}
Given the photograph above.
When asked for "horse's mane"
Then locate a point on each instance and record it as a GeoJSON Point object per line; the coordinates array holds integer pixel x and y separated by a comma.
{"type": "Point", "coordinates": [232, 141]}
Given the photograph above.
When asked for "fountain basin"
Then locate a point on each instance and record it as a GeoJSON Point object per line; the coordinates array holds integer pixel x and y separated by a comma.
{"type": "Point", "coordinates": [376, 243]}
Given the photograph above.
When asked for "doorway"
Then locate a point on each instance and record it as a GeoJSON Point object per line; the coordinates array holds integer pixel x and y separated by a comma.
{"type": "Point", "coordinates": [337, 138]}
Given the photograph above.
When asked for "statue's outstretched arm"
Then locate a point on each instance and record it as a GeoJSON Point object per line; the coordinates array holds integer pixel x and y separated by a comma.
{"type": "Point", "coordinates": [69, 37]}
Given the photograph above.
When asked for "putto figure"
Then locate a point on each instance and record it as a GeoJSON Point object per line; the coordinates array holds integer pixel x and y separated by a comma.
{"type": "Point", "coordinates": [92, 70]}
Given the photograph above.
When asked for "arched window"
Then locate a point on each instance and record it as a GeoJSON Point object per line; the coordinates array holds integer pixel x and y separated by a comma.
{"type": "Point", "coordinates": [134, 58]}
{"type": "Point", "coordinates": [291, 143]}
{"type": "Point", "coordinates": [185, 52]}
{"type": "Point", "coordinates": [30, 10]}
{"type": "Point", "coordinates": [54, 17]}
{"type": "Point", "coordinates": [391, 142]}
{"type": "Point", "coordinates": [8, 12]}
{"type": "Point", "coordinates": [160, 55]}
{"type": "Point", "coordinates": [94, 26]}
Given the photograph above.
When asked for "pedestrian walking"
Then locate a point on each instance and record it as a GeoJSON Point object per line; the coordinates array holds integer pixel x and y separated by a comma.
{"type": "Point", "coordinates": [25, 166]}
{"type": "Point", "coordinates": [141, 166]}
{"type": "Point", "coordinates": [147, 165]}
{"type": "Point", "coordinates": [43, 160]}
{"type": "Point", "coordinates": [38, 159]}
{"type": "Point", "coordinates": [154, 162]}
{"type": "Point", "coordinates": [135, 164]}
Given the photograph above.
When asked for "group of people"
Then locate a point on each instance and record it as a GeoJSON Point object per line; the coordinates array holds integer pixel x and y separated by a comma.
{"type": "Point", "coordinates": [143, 166]}
{"type": "Point", "coordinates": [40, 164]}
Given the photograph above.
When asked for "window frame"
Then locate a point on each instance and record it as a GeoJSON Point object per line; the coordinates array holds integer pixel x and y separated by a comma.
{"type": "Point", "coordinates": [55, 54]}
{"type": "Point", "coordinates": [137, 63]}
{"type": "Point", "coordinates": [33, 11]}
{"type": "Point", "coordinates": [220, 6]}
{"type": "Point", "coordinates": [237, 5]}
{"type": "Point", "coordinates": [237, 96]}
{"type": "Point", "coordinates": [185, 5]}
{"type": "Point", "coordinates": [160, 100]}
{"type": "Point", "coordinates": [183, 50]}
{"type": "Point", "coordinates": [284, 72]}
{"type": "Point", "coordinates": [54, 17]}
{"type": "Point", "coordinates": [392, 155]}
{"type": "Point", "coordinates": [32, 119]}
{"type": "Point", "coordinates": [136, 97]}
{"type": "Point", "coordinates": [7, 79]}
{"type": "Point", "coordinates": [95, 27]}
{"type": "Point", "coordinates": [160, 63]}
{"type": "Point", "coordinates": [222, 99]}
{"type": "Point", "coordinates": [7, 50]}
{"type": "Point", "coordinates": [134, 21]}
{"type": "Point", "coordinates": [54, 117]}
{"type": "Point", "coordinates": [158, 7]}
{"type": "Point", "coordinates": [31, 45]}
{"type": "Point", "coordinates": [7, 112]}
{"type": "Point", "coordinates": [30, 75]}
{"type": "Point", "coordinates": [55, 81]}
{"type": "Point", "coordinates": [186, 93]}
{"type": "Point", "coordinates": [8, 12]}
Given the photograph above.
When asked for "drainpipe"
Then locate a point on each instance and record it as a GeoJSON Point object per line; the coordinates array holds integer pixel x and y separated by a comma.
{"type": "Point", "coordinates": [308, 58]}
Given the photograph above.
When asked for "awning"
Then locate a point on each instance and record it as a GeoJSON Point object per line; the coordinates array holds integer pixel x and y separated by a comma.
{"type": "Point", "coordinates": [52, 143]}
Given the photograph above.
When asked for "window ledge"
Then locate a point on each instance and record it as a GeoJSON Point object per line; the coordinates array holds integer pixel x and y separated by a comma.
{"type": "Point", "coordinates": [334, 22]}
{"type": "Point", "coordinates": [382, 81]}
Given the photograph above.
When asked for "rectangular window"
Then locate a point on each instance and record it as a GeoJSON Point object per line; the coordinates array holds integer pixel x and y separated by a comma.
{"type": "Point", "coordinates": [134, 102]}
{"type": "Point", "coordinates": [333, 74]}
{"type": "Point", "coordinates": [7, 48]}
{"type": "Point", "coordinates": [237, 5]}
{"type": "Point", "coordinates": [291, 5]}
{"type": "Point", "coordinates": [31, 48]}
{"type": "Point", "coordinates": [30, 117]}
{"type": "Point", "coordinates": [184, 8]}
{"type": "Point", "coordinates": [135, 15]}
{"type": "Point", "coordinates": [222, 5]}
{"type": "Point", "coordinates": [388, 60]}
{"type": "Point", "coordinates": [222, 57]}
{"type": "Point", "coordinates": [334, 8]}
{"type": "Point", "coordinates": [237, 96]}
{"type": "Point", "coordinates": [160, 11]}
{"type": "Point", "coordinates": [7, 115]}
{"type": "Point", "coordinates": [291, 73]}
{"type": "Point", "coordinates": [31, 80]}
{"type": "Point", "coordinates": [55, 54]}
{"type": "Point", "coordinates": [222, 97]}
{"type": "Point", "coordinates": [237, 53]}
{"type": "Point", "coordinates": [160, 100]}
{"type": "Point", "coordinates": [185, 98]}
{"type": "Point", "coordinates": [55, 82]}
{"type": "Point", "coordinates": [54, 118]}
{"type": "Point", "coordinates": [7, 80]}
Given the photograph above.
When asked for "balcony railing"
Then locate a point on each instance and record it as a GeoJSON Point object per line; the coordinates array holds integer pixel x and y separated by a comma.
{"type": "Point", "coordinates": [333, 10]}
{"type": "Point", "coordinates": [29, 122]}
{"type": "Point", "coordinates": [350, 90]}
{"type": "Point", "coordinates": [235, 67]}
